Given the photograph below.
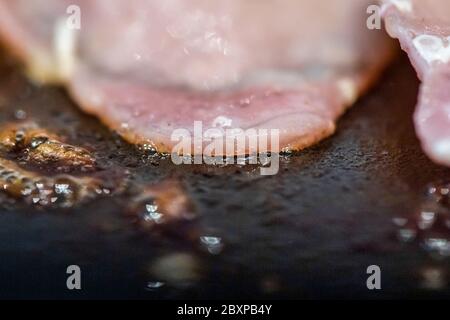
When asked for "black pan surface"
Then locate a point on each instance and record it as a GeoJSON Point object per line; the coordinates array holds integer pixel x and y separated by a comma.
{"type": "Point", "coordinates": [309, 232]}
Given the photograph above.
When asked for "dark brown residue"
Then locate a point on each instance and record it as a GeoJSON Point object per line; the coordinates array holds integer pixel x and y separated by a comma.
{"type": "Point", "coordinates": [35, 144]}
{"type": "Point", "coordinates": [312, 230]}
{"type": "Point", "coordinates": [34, 189]}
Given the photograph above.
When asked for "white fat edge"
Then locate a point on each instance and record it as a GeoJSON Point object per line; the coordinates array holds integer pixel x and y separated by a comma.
{"type": "Point", "coordinates": [432, 49]}
{"type": "Point", "coordinates": [65, 40]}
{"type": "Point", "coordinates": [40, 67]}
{"type": "Point", "coordinates": [348, 89]}
{"type": "Point", "coordinates": [441, 150]}
{"type": "Point", "coordinates": [403, 5]}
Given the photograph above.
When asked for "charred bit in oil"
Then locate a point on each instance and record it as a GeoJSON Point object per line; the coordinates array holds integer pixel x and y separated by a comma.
{"type": "Point", "coordinates": [41, 147]}
{"type": "Point", "coordinates": [166, 203]}
{"type": "Point", "coordinates": [59, 191]}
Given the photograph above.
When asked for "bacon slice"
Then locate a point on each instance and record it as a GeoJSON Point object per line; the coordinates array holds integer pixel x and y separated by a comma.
{"type": "Point", "coordinates": [423, 28]}
{"type": "Point", "coordinates": [148, 67]}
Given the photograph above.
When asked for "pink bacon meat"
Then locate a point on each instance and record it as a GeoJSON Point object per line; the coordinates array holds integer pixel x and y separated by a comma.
{"type": "Point", "coordinates": [148, 67]}
{"type": "Point", "coordinates": [423, 28]}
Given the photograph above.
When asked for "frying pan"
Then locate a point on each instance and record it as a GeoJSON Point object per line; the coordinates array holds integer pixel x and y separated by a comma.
{"type": "Point", "coordinates": [309, 232]}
